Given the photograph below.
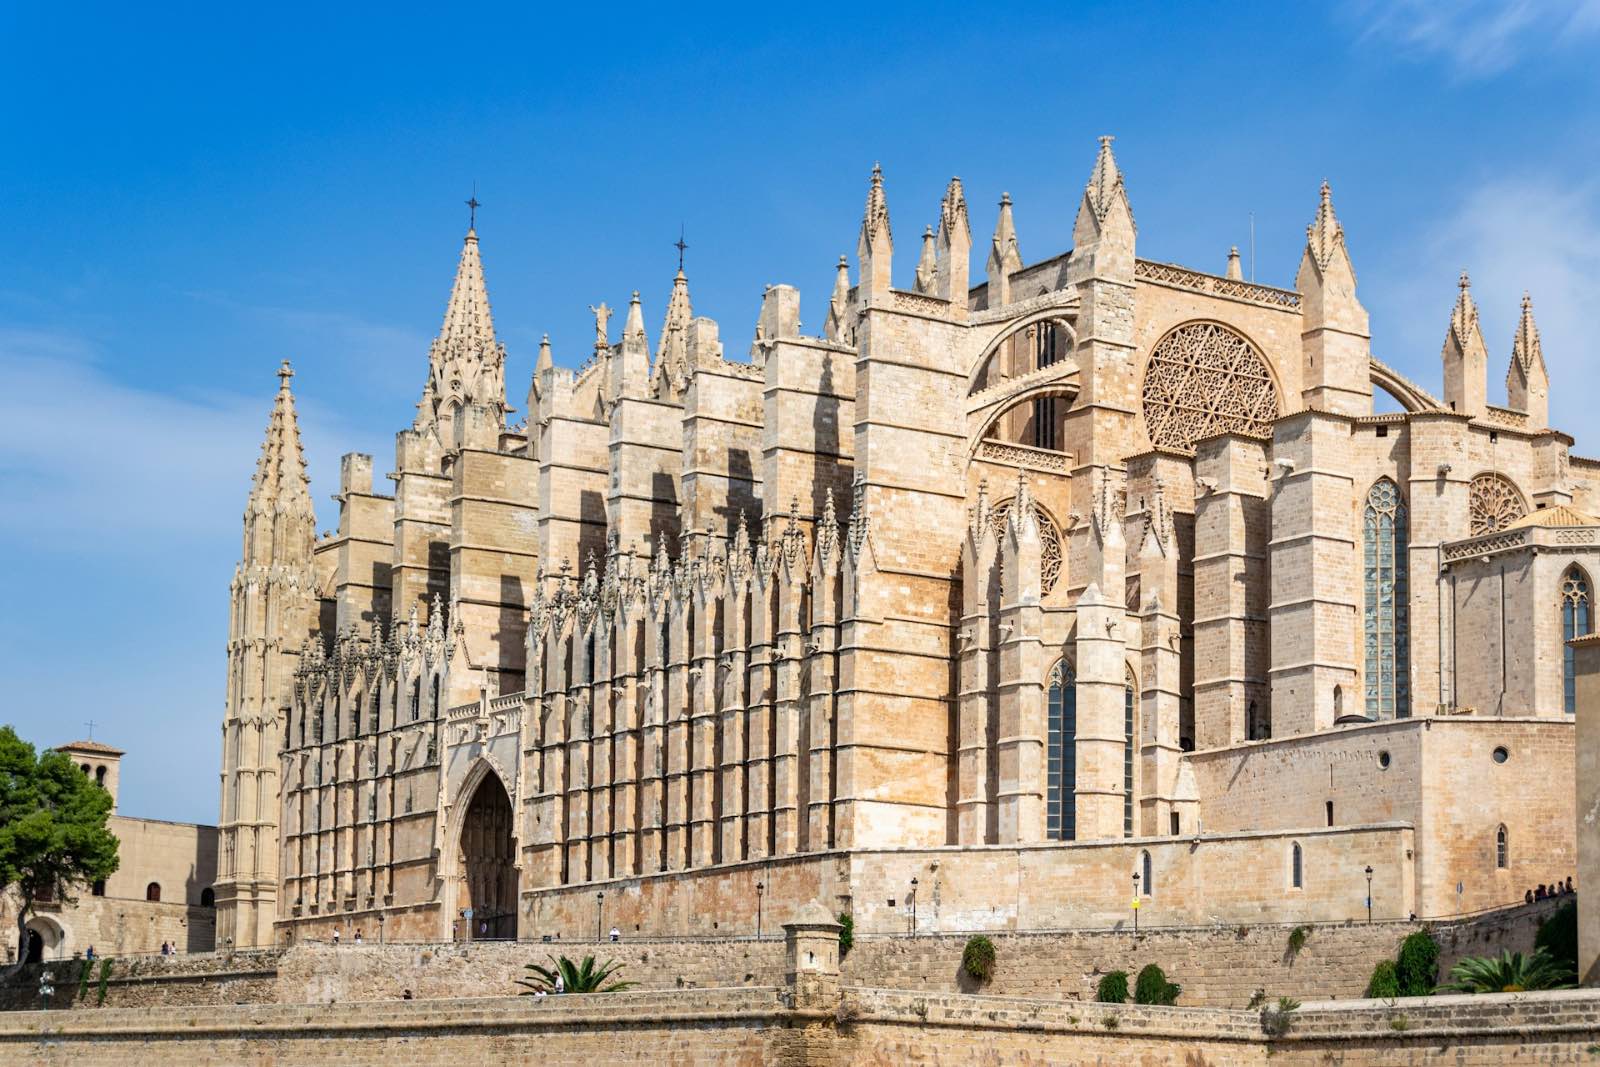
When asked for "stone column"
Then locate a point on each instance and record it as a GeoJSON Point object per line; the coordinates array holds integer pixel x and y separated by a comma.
{"type": "Point", "coordinates": [976, 704]}
{"type": "Point", "coordinates": [703, 692]}
{"type": "Point", "coordinates": [1019, 740]}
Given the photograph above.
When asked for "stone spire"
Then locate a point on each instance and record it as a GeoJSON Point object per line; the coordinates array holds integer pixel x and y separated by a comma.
{"type": "Point", "coordinates": [672, 350]}
{"type": "Point", "coordinates": [280, 488]}
{"type": "Point", "coordinates": [1527, 380]}
{"type": "Point", "coordinates": [633, 379]}
{"type": "Point", "coordinates": [875, 246]}
{"type": "Point", "coordinates": [1465, 357]}
{"type": "Point", "coordinates": [927, 264]}
{"type": "Point", "coordinates": [1104, 234]}
{"type": "Point", "coordinates": [1335, 339]}
{"type": "Point", "coordinates": [955, 249]}
{"type": "Point", "coordinates": [1005, 259]}
{"type": "Point", "coordinates": [1105, 193]}
{"type": "Point", "coordinates": [837, 326]}
{"type": "Point", "coordinates": [1234, 271]}
{"type": "Point", "coordinates": [466, 364]}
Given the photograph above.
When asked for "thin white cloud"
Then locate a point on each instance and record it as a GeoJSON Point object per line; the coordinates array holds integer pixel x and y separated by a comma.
{"type": "Point", "coordinates": [1477, 38]}
{"type": "Point", "coordinates": [87, 462]}
{"type": "Point", "coordinates": [1513, 234]}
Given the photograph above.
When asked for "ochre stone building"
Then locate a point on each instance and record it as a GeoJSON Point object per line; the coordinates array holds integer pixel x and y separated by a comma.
{"type": "Point", "coordinates": [1003, 605]}
{"type": "Point", "coordinates": [161, 891]}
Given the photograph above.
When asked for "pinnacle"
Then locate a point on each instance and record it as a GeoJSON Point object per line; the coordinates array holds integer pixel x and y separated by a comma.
{"type": "Point", "coordinates": [467, 317]}
{"type": "Point", "coordinates": [1105, 183]}
{"type": "Point", "coordinates": [1464, 316]}
{"type": "Point", "coordinates": [280, 480]}
{"type": "Point", "coordinates": [1324, 236]}
{"type": "Point", "coordinates": [877, 210]}
{"type": "Point", "coordinates": [1526, 349]}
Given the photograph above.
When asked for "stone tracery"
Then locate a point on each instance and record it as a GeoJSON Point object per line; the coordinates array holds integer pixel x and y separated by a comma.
{"type": "Point", "coordinates": [1049, 542]}
{"type": "Point", "coordinates": [1494, 503]}
{"type": "Point", "coordinates": [1204, 378]}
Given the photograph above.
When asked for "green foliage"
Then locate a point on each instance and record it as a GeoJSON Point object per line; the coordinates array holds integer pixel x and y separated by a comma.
{"type": "Point", "coordinates": [105, 973]}
{"type": "Point", "coordinates": [83, 979]}
{"type": "Point", "coordinates": [53, 834]}
{"type": "Point", "coordinates": [847, 934]}
{"type": "Point", "coordinates": [1257, 999]}
{"type": "Point", "coordinates": [977, 959]}
{"type": "Point", "coordinates": [1510, 972]}
{"type": "Point", "coordinates": [1558, 935]}
{"type": "Point", "coordinates": [1152, 987]}
{"type": "Point", "coordinates": [582, 977]}
{"type": "Point", "coordinates": [1399, 1022]}
{"type": "Point", "coordinates": [1276, 1021]}
{"type": "Point", "coordinates": [1417, 969]}
{"type": "Point", "coordinates": [1385, 981]}
{"type": "Point", "coordinates": [1297, 940]}
{"type": "Point", "coordinates": [1113, 988]}
{"type": "Point", "coordinates": [1110, 1022]}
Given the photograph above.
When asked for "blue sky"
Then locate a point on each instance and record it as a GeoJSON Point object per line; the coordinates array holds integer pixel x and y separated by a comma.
{"type": "Point", "coordinates": [192, 195]}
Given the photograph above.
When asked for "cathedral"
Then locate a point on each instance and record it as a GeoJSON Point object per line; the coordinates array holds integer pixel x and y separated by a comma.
{"type": "Point", "coordinates": [1103, 589]}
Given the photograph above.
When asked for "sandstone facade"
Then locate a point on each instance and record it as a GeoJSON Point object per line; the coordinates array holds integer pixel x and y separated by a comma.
{"type": "Point", "coordinates": [1103, 567]}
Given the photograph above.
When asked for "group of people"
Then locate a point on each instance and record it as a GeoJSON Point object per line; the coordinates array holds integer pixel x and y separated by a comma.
{"type": "Point", "coordinates": [1557, 888]}
{"type": "Point", "coordinates": [357, 939]}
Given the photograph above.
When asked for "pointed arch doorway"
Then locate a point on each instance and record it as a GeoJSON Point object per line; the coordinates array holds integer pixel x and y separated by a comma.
{"type": "Point", "coordinates": [486, 889]}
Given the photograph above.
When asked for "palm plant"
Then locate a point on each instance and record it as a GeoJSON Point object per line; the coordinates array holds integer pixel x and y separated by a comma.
{"type": "Point", "coordinates": [583, 977]}
{"type": "Point", "coordinates": [1510, 972]}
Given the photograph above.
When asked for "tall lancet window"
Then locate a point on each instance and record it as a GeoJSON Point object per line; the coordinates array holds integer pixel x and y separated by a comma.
{"type": "Point", "coordinates": [1388, 684]}
{"type": "Point", "coordinates": [1061, 769]}
{"type": "Point", "coordinates": [1045, 353]}
{"type": "Point", "coordinates": [1575, 622]}
{"type": "Point", "coordinates": [1127, 757]}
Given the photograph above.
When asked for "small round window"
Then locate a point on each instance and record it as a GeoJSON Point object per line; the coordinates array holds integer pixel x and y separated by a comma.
{"type": "Point", "coordinates": [1500, 754]}
{"type": "Point", "coordinates": [1383, 759]}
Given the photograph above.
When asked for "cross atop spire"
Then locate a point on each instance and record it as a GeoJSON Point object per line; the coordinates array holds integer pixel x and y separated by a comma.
{"type": "Point", "coordinates": [473, 205]}
{"type": "Point", "coordinates": [681, 246]}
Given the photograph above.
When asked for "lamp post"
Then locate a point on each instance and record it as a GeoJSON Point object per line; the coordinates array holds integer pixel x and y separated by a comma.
{"type": "Point", "coordinates": [381, 919]}
{"type": "Point", "coordinates": [1369, 894]}
{"type": "Point", "coordinates": [599, 913]}
{"type": "Point", "coordinates": [913, 907]}
{"type": "Point", "coordinates": [46, 990]}
{"type": "Point", "coordinates": [761, 887]}
{"type": "Point", "coordinates": [1136, 903]}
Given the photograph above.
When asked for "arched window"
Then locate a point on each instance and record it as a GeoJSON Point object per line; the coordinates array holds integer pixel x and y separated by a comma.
{"type": "Point", "coordinates": [436, 696]}
{"type": "Point", "coordinates": [208, 898]}
{"type": "Point", "coordinates": [100, 776]}
{"type": "Point", "coordinates": [1061, 771]}
{"type": "Point", "coordinates": [1127, 757]}
{"type": "Point", "coordinates": [1383, 570]}
{"type": "Point", "coordinates": [1146, 874]}
{"type": "Point", "coordinates": [1045, 353]}
{"type": "Point", "coordinates": [416, 699]}
{"type": "Point", "coordinates": [1502, 853]}
{"type": "Point", "coordinates": [153, 891]}
{"type": "Point", "coordinates": [1574, 623]}
{"type": "Point", "coordinates": [377, 697]}
{"type": "Point", "coordinates": [1297, 868]}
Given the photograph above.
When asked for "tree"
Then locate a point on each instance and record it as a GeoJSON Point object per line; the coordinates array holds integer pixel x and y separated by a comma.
{"type": "Point", "coordinates": [1417, 969]}
{"type": "Point", "coordinates": [1510, 972]}
{"type": "Point", "coordinates": [53, 836]}
{"type": "Point", "coordinates": [1113, 988]}
{"type": "Point", "coordinates": [1152, 987]}
{"type": "Point", "coordinates": [1385, 981]}
{"type": "Point", "coordinates": [582, 977]}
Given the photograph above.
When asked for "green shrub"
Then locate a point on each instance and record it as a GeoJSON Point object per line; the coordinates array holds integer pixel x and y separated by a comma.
{"type": "Point", "coordinates": [1558, 935]}
{"type": "Point", "coordinates": [83, 979]}
{"type": "Point", "coordinates": [977, 959]}
{"type": "Point", "coordinates": [1385, 982]}
{"type": "Point", "coordinates": [1276, 1022]}
{"type": "Point", "coordinates": [847, 933]}
{"type": "Point", "coordinates": [105, 973]}
{"type": "Point", "coordinates": [1297, 940]}
{"type": "Point", "coordinates": [1417, 969]}
{"type": "Point", "coordinates": [1152, 987]}
{"type": "Point", "coordinates": [1113, 988]}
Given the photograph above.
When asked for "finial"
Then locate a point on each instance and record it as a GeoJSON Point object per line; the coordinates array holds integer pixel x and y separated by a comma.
{"type": "Point", "coordinates": [1106, 139]}
{"type": "Point", "coordinates": [1527, 300]}
{"type": "Point", "coordinates": [1005, 199]}
{"type": "Point", "coordinates": [680, 245]}
{"type": "Point", "coordinates": [1327, 191]}
{"type": "Point", "coordinates": [1464, 283]}
{"type": "Point", "coordinates": [472, 209]}
{"type": "Point", "coordinates": [285, 372]}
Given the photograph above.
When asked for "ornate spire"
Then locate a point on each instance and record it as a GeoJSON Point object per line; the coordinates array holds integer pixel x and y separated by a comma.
{"type": "Point", "coordinates": [875, 220]}
{"type": "Point", "coordinates": [837, 325]}
{"type": "Point", "coordinates": [1527, 379]}
{"type": "Point", "coordinates": [927, 264]}
{"type": "Point", "coordinates": [1464, 316]}
{"type": "Point", "coordinates": [1005, 258]}
{"type": "Point", "coordinates": [1526, 351]}
{"type": "Point", "coordinates": [466, 363]}
{"type": "Point", "coordinates": [955, 249]}
{"type": "Point", "coordinates": [672, 350]}
{"type": "Point", "coordinates": [280, 485]}
{"type": "Point", "coordinates": [875, 246]}
{"type": "Point", "coordinates": [1324, 237]}
{"type": "Point", "coordinates": [1105, 187]}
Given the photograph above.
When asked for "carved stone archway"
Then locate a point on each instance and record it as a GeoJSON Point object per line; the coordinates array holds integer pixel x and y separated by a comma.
{"type": "Point", "coordinates": [485, 867]}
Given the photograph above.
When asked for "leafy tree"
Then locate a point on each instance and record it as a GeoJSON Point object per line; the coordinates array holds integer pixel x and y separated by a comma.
{"type": "Point", "coordinates": [53, 835]}
{"type": "Point", "coordinates": [1113, 988]}
{"type": "Point", "coordinates": [1558, 935]}
{"type": "Point", "coordinates": [582, 977]}
{"type": "Point", "coordinates": [1152, 987]}
{"type": "Point", "coordinates": [1385, 981]}
{"type": "Point", "coordinates": [1510, 972]}
{"type": "Point", "coordinates": [977, 958]}
{"type": "Point", "coordinates": [1417, 969]}
{"type": "Point", "coordinates": [847, 933]}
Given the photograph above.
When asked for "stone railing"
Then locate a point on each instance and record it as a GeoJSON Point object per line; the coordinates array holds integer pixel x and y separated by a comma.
{"type": "Point", "coordinates": [1487, 544]}
{"type": "Point", "coordinates": [1024, 456]}
{"type": "Point", "coordinates": [1193, 280]}
{"type": "Point", "coordinates": [1515, 420]}
{"type": "Point", "coordinates": [463, 711]}
{"type": "Point", "coordinates": [507, 702]}
{"type": "Point", "coordinates": [919, 304]}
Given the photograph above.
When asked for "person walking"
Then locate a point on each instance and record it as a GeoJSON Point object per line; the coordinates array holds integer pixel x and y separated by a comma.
{"type": "Point", "coordinates": [335, 936]}
{"type": "Point", "coordinates": [358, 936]}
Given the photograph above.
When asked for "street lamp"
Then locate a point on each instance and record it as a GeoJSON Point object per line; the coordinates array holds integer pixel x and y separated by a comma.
{"type": "Point", "coordinates": [913, 907]}
{"type": "Point", "coordinates": [1136, 903]}
{"type": "Point", "coordinates": [1369, 894]}
{"type": "Point", "coordinates": [599, 913]}
{"type": "Point", "coordinates": [381, 919]}
{"type": "Point", "coordinates": [46, 989]}
{"type": "Point", "coordinates": [761, 887]}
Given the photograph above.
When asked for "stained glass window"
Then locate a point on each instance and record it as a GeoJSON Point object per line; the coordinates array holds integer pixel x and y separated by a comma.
{"type": "Point", "coordinates": [1061, 729]}
{"type": "Point", "coordinates": [1127, 760]}
{"type": "Point", "coordinates": [1387, 604]}
{"type": "Point", "coordinates": [1574, 623]}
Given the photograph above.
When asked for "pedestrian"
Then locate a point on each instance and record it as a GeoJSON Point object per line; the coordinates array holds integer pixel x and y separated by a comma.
{"type": "Point", "coordinates": [616, 935]}
{"type": "Point", "coordinates": [335, 936]}
{"type": "Point", "coordinates": [358, 936]}
{"type": "Point", "coordinates": [561, 985]}
{"type": "Point", "coordinates": [89, 954]}
{"type": "Point", "coordinates": [1569, 883]}
{"type": "Point", "coordinates": [1538, 894]}
{"type": "Point", "coordinates": [1527, 898]}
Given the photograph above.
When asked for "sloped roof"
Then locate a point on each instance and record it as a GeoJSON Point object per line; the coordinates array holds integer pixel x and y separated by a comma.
{"type": "Point", "coordinates": [1558, 515]}
{"type": "Point", "coordinates": [89, 746]}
